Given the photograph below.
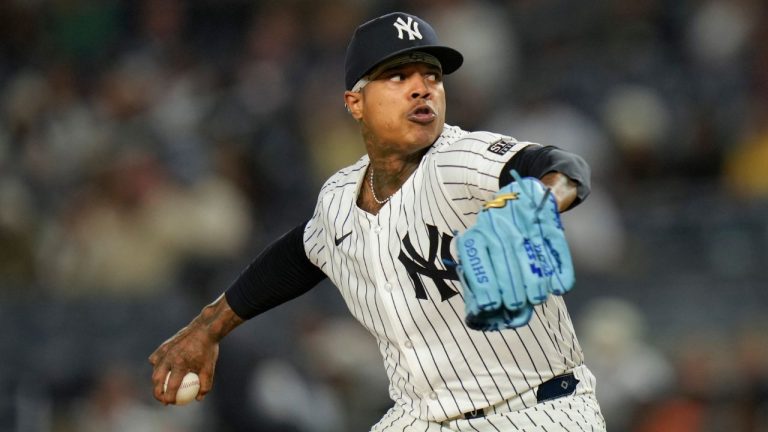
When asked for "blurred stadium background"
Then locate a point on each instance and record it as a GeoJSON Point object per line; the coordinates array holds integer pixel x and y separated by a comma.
{"type": "Point", "coordinates": [149, 149]}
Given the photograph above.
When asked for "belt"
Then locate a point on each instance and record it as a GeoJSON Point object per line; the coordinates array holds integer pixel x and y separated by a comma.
{"type": "Point", "coordinates": [557, 387]}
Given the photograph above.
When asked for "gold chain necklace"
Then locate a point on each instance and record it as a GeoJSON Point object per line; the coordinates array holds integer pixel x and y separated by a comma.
{"type": "Point", "coordinates": [375, 198]}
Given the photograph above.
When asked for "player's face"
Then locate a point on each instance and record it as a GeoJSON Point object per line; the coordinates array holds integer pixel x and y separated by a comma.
{"type": "Point", "coordinates": [403, 107]}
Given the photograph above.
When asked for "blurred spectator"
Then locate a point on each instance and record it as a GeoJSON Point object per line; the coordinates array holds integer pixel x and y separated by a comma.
{"type": "Point", "coordinates": [83, 31]}
{"type": "Point", "coordinates": [291, 402]}
{"type": "Point", "coordinates": [638, 122]}
{"type": "Point", "coordinates": [332, 138]}
{"type": "Point", "coordinates": [746, 396]}
{"type": "Point", "coordinates": [114, 404]}
{"type": "Point", "coordinates": [722, 384]}
{"type": "Point", "coordinates": [630, 371]}
{"type": "Point", "coordinates": [719, 31]}
{"type": "Point", "coordinates": [483, 33]}
{"type": "Point", "coordinates": [340, 353]}
{"type": "Point", "coordinates": [695, 402]}
{"type": "Point", "coordinates": [129, 233]}
{"type": "Point", "coordinates": [718, 37]}
{"type": "Point", "coordinates": [746, 164]}
{"type": "Point", "coordinates": [17, 234]}
{"type": "Point", "coordinates": [597, 235]}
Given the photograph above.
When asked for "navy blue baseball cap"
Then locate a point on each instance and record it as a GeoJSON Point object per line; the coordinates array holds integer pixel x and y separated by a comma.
{"type": "Point", "coordinates": [390, 36]}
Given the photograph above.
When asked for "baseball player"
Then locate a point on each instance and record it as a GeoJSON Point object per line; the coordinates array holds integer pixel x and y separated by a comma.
{"type": "Point", "coordinates": [445, 244]}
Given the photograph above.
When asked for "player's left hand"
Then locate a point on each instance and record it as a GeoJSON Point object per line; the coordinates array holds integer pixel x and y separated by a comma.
{"type": "Point", "coordinates": [513, 257]}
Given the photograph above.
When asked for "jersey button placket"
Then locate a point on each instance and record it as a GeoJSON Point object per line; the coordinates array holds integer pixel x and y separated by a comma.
{"type": "Point", "coordinates": [391, 298]}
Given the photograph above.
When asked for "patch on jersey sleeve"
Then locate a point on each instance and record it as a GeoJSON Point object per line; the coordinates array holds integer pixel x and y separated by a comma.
{"type": "Point", "coordinates": [500, 147]}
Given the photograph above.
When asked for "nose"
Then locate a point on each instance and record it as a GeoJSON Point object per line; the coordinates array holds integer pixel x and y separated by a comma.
{"type": "Point", "coordinates": [420, 87]}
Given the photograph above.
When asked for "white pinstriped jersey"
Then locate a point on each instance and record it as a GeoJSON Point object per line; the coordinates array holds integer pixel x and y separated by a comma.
{"type": "Point", "coordinates": [389, 268]}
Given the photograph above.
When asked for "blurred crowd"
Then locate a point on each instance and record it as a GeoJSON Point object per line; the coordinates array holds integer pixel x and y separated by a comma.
{"type": "Point", "coordinates": [150, 148]}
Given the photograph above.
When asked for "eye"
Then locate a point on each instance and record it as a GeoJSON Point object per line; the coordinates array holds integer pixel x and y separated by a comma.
{"type": "Point", "coordinates": [396, 76]}
{"type": "Point", "coordinates": [434, 76]}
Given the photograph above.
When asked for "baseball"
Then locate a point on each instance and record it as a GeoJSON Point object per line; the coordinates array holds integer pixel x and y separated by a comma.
{"type": "Point", "coordinates": [188, 389]}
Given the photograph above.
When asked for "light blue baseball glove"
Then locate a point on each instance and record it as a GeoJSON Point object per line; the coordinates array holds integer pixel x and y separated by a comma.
{"type": "Point", "coordinates": [513, 257]}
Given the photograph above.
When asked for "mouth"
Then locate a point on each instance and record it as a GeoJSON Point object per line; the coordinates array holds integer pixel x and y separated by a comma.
{"type": "Point", "coordinates": [422, 114]}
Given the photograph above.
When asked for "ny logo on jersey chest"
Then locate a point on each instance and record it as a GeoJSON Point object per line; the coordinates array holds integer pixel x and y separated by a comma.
{"type": "Point", "coordinates": [418, 266]}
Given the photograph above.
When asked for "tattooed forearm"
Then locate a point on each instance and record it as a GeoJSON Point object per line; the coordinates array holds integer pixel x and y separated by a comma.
{"type": "Point", "coordinates": [218, 319]}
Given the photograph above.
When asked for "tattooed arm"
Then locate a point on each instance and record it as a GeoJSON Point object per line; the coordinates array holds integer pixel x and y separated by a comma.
{"type": "Point", "coordinates": [194, 348]}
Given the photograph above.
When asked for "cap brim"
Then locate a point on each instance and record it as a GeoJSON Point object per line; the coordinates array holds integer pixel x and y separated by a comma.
{"type": "Point", "coordinates": [450, 59]}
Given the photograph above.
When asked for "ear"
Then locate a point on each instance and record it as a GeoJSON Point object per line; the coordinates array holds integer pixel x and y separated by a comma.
{"type": "Point", "coordinates": [354, 103]}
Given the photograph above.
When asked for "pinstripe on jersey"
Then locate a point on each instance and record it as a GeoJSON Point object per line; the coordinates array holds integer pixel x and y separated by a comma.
{"type": "Point", "coordinates": [580, 413]}
{"type": "Point", "coordinates": [389, 269]}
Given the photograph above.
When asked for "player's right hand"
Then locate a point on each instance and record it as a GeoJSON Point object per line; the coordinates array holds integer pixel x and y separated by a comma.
{"type": "Point", "coordinates": [191, 349]}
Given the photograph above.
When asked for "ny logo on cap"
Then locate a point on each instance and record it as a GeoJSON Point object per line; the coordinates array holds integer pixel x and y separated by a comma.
{"type": "Point", "coordinates": [411, 27]}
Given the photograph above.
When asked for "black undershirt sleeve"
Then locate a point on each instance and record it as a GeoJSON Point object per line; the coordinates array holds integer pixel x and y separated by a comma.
{"type": "Point", "coordinates": [536, 161]}
{"type": "Point", "coordinates": [280, 273]}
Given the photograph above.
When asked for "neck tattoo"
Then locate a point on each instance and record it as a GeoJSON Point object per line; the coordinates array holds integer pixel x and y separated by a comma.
{"type": "Point", "coordinates": [375, 198]}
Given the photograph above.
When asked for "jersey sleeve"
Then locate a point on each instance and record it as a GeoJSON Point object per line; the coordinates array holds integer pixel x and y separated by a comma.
{"type": "Point", "coordinates": [280, 273]}
{"type": "Point", "coordinates": [314, 236]}
{"type": "Point", "coordinates": [287, 268]}
{"type": "Point", "coordinates": [470, 167]}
